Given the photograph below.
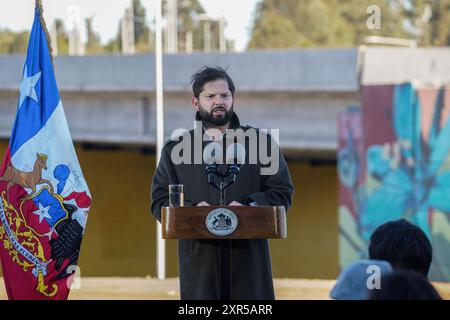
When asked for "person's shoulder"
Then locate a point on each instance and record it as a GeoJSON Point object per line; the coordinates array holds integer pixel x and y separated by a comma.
{"type": "Point", "coordinates": [258, 131]}
{"type": "Point", "coordinates": [246, 127]}
{"type": "Point", "coordinates": [176, 137]}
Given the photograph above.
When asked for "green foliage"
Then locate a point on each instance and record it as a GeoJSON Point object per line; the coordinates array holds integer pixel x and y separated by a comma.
{"type": "Point", "coordinates": [336, 23]}
{"type": "Point", "coordinates": [430, 21]}
{"type": "Point", "coordinates": [112, 46]}
{"type": "Point", "coordinates": [278, 32]}
{"type": "Point", "coordinates": [141, 30]}
{"type": "Point", "coordinates": [13, 42]}
{"type": "Point", "coordinates": [142, 33]}
{"type": "Point", "coordinates": [62, 37]}
{"type": "Point", "coordinates": [278, 24]}
{"type": "Point", "coordinates": [188, 13]}
{"type": "Point", "coordinates": [93, 45]}
{"type": "Point", "coordinates": [189, 20]}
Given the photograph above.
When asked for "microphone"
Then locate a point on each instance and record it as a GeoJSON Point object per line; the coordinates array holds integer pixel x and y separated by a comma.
{"type": "Point", "coordinates": [235, 157]}
{"type": "Point", "coordinates": [212, 156]}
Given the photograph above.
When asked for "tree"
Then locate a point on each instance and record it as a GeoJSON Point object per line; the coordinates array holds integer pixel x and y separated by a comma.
{"type": "Point", "coordinates": [141, 30]}
{"type": "Point", "coordinates": [188, 22]}
{"type": "Point", "coordinates": [301, 24]}
{"type": "Point", "coordinates": [330, 23]}
{"type": "Point", "coordinates": [93, 44]}
{"type": "Point", "coordinates": [62, 37]}
{"type": "Point", "coordinates": [440, 22]}
{"type": "Point", "coordinates": [13, 42]}
{"type": "Point", "coordinates": [355, 17]}
{"type": "Point", "coordinates": [278, 32]}
{"type": "Point", "coordinates": [113, 45]}
{"type": "Point", "coordinates": [429, 21]}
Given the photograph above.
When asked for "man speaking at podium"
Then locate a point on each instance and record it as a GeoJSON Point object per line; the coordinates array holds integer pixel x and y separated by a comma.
{"type": "Point", "coordinates": [255, 185]}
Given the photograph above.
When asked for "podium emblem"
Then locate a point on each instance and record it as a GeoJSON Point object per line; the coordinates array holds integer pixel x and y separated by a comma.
{"type": "Point", "coordinates": [221, 222]}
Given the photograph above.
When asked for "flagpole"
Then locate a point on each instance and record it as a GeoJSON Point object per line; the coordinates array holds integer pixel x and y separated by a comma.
{"type": "Point", "coordinates": [38, 5]}
{"type": "Point", "coordinates": [161, 243]}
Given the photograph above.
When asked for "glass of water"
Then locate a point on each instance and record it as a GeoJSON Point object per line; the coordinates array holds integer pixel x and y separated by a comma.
{"type": "Point", "coordinates": [176, 195]}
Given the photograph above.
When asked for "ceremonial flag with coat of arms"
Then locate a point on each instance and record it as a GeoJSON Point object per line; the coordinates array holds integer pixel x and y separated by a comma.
{"type": "Point", "coordinates": [44, 198]}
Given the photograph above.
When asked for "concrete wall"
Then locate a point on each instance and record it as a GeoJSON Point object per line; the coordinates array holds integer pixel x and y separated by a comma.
{"type": "Point", "coordinates": [423, 66]}
{"type": "Point", "coordinates": [111, 99]}
{"type": "Point", "coordinates": [272, 70]}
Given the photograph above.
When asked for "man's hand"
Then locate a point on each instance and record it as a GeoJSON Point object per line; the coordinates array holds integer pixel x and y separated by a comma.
{"type": "Point", "coordinates": [204, 204]}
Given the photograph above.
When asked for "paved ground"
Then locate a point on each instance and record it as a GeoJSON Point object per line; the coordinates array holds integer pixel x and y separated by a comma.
{"type": "Point", "coordinates": [150, 288]}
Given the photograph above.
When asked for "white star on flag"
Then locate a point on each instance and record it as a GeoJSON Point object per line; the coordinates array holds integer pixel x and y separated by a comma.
{"type": "Point", "coordinates": [27, 86]}
{"type": "Point", "coordinates": [42, 212]}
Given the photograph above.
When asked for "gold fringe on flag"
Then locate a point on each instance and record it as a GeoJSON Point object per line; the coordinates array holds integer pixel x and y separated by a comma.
{"type": "Point", "coordinates": [44, 26]}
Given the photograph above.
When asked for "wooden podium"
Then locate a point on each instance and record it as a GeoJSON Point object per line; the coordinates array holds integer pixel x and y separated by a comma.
{"type": "Point", "coordinates": [230, 222]}
{"type": "Point", "coordinates": [215, 222]}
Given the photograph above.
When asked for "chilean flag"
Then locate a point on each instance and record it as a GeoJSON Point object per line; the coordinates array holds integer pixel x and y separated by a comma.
{"type": "Point", "coordinates": [44, 198]}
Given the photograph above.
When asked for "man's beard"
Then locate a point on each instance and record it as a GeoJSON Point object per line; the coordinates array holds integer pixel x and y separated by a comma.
{"type": "Point", "coordinates": [219, 120]}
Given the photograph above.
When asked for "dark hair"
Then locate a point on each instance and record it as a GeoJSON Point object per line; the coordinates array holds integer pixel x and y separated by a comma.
{"type": "Point", "coordinates": [404, 285]}
{"type": "Point", "coordinates": [208, 74]}
{"type": "Point", "coordinates": [403, 244]}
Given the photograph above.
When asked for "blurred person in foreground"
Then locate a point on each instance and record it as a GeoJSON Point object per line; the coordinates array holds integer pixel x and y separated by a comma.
{"type": "Point", "coordinates": [405, 285]}
{"type": "Point", "coordinates": [404, 245]}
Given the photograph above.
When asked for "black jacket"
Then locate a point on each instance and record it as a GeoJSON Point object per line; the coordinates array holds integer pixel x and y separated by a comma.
{"type": "Point", "coordinates": [198, 259]}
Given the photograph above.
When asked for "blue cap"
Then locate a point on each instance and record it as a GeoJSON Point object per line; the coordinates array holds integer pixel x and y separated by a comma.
{"type": "Point", "coordinates": [352, 283]}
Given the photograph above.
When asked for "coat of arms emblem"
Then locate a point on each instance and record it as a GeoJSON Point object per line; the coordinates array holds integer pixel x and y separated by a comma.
{"type": "Point", "coordinates": [221, 222]}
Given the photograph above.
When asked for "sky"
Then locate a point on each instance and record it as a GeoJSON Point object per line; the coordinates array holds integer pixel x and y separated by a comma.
{"type": "Point", "coordinates": [17, 15]}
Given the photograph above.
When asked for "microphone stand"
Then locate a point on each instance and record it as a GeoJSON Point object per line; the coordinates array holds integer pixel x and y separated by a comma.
{"type": "Point", "coordinates": [224, 245]}
{"type": "Point", "coordinates": [232, 171]}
